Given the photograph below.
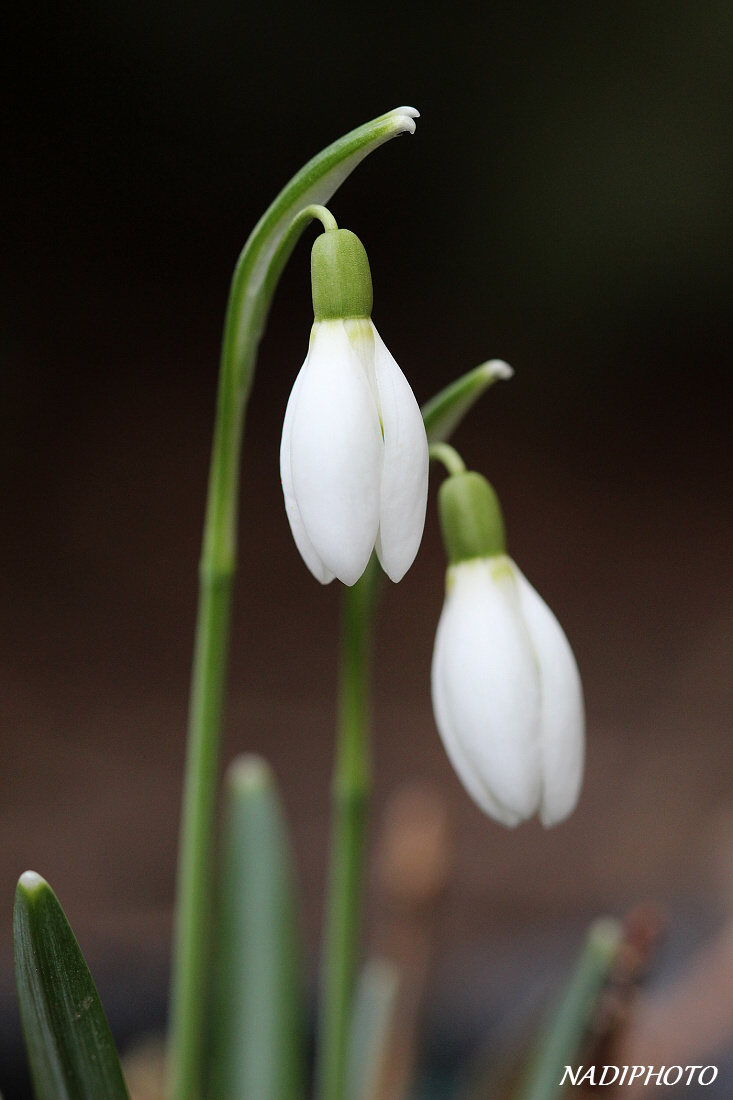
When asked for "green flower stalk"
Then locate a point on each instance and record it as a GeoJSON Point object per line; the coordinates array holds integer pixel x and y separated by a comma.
{"type": "Point", "coordinates": [350, 792]}
{"type": "Point", "coordinates": [255, 279]}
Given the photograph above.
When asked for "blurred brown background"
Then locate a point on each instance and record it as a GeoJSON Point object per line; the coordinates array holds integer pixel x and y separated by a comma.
{"type": "Point", "coordinates": [566, 205]}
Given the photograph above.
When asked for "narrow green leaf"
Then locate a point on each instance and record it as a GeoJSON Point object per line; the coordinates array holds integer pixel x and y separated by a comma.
{"type": "Point", "coordinates": [443, 413]}
{"type": "Point", "coordinates": [70, 1047]}
{"type": "Point", "coordinates": [567, 1027]}
{"type": "Point", "coordinates": [257, 1014]}
{"type": "Point", "coordinates": [374, 1003]}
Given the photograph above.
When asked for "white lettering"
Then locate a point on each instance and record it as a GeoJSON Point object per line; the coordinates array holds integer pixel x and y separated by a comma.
{"type": "Point", "coordinates": [613, 1075]}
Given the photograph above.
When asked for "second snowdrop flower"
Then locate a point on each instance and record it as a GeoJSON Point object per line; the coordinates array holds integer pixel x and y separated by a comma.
{"type": "Point", "coordinates": [507, 696]}
{"type": "Point", "coordinates": [354, 454]}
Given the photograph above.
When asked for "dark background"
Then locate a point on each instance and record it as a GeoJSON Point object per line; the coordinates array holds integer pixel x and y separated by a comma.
{"type": "Point", "coordinates": [566, 205]}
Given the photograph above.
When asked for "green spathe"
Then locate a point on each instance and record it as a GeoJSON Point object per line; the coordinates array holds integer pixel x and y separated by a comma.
{"type": "Point", "coordinates": [444, 412]}
{"type": "Point", "coordinates": [470, 518]}
{"type": "Point", "coordinates": [340, 277]}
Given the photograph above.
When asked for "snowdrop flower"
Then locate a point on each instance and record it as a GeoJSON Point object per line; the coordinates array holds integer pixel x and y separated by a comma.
{"type": "Point", "coordinates": [507, 696]}
{"type": "Point", "coordinates": [354, 454]}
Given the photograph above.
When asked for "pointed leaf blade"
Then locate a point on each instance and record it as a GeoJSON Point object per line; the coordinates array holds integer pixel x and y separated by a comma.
{"type": "Point", "coordinates": [371, 1027]}
{"type": "Point", "coordinates": [257, 1042]}
{"type": "Point", "coordinates": [70, 1047]}
{"type": "Point", "coordinates": [567, 1026]}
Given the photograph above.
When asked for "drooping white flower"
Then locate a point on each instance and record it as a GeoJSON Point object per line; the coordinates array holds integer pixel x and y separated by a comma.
{"type": "Point", "coordinates": [354, 454]}
{"type": "Point", "coordinates": [507, 695]}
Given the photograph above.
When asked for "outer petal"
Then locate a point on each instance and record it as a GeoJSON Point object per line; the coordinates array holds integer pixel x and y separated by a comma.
{"type": "Point", "coordinates": [486, 692]}
{"type": "Point", "coordinates": [404, 492]}
{"type": "Point", "coordinates": [465, 770]}
{"type": "Point", "coordinates": [563, 714]}
{"type": "Point", "coordinates": [336, 454]}
{"type": "Point", "coordinates": [308, 554]}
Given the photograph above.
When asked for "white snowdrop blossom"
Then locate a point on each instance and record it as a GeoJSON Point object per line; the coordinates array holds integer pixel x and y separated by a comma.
{"type": "Point", "coordinates": [354, 455]}
{"type": "Point", "coordinates": [507, 695]}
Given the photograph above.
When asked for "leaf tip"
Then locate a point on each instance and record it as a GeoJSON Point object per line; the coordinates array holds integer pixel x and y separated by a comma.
{"type": "Point", "coordinates": [605, 936]}
{"type": "Point", "coordinates": [249, 773]}
{"type": "Point", "coordinates": [497, 368]}
{"type": "Point", "coordinates": [30, 882]}
{"type": "Point", "coordinates": [404, 119]}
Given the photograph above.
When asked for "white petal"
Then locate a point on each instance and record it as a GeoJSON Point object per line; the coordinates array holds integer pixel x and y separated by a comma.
{"type": "Point", "coordinates": [405, 472]}
{"type": "Point", "coordinates": [308, 554]}
{"type": "Point", "coordinates": [360, 332]}
{"type": "Point", "coordinates": [336, 454]}
{"type": "Point", "coordinates": [486, 690]}
{"type": "Point", "coordinates": [454, 750]}
{"type": "Point", "coordinates": [563, 716]}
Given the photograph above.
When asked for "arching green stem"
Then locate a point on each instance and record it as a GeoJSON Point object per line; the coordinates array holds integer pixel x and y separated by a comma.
{"type": "Point", "coordinates": [449, 456]}
{"type": "Point", "coordinates": [323, 214]}
{"type": "Point", "coordinates": [253, 285]}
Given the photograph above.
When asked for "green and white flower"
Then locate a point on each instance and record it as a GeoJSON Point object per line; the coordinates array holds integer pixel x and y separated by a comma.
{"type": "Point", "coordinates": [507, 694]}
{"type": "Point", "coordinates": [354, 454]}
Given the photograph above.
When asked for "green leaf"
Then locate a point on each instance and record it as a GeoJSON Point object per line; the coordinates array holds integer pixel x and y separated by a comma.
{"type": "Point", "coordinates": [443, 413]}
{"type": "Point", "coordinates": [371, 1023]}
{"type": "Point", "coordinates": [567, 1027]}
{"type": "Point", "coordinates": [70, 1047]}
{"type": "Point", "coordinates": [257, 1041]}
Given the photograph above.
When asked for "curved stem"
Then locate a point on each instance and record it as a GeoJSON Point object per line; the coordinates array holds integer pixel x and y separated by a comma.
{"type": "Point", "coordinates": [253, 285]}
{"type": "Point", "coordinates": [449, 456]}
{"type": "Point", "coordinates": [323, 214]}
{"type": "Point", "coordinates": [350, 796]}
